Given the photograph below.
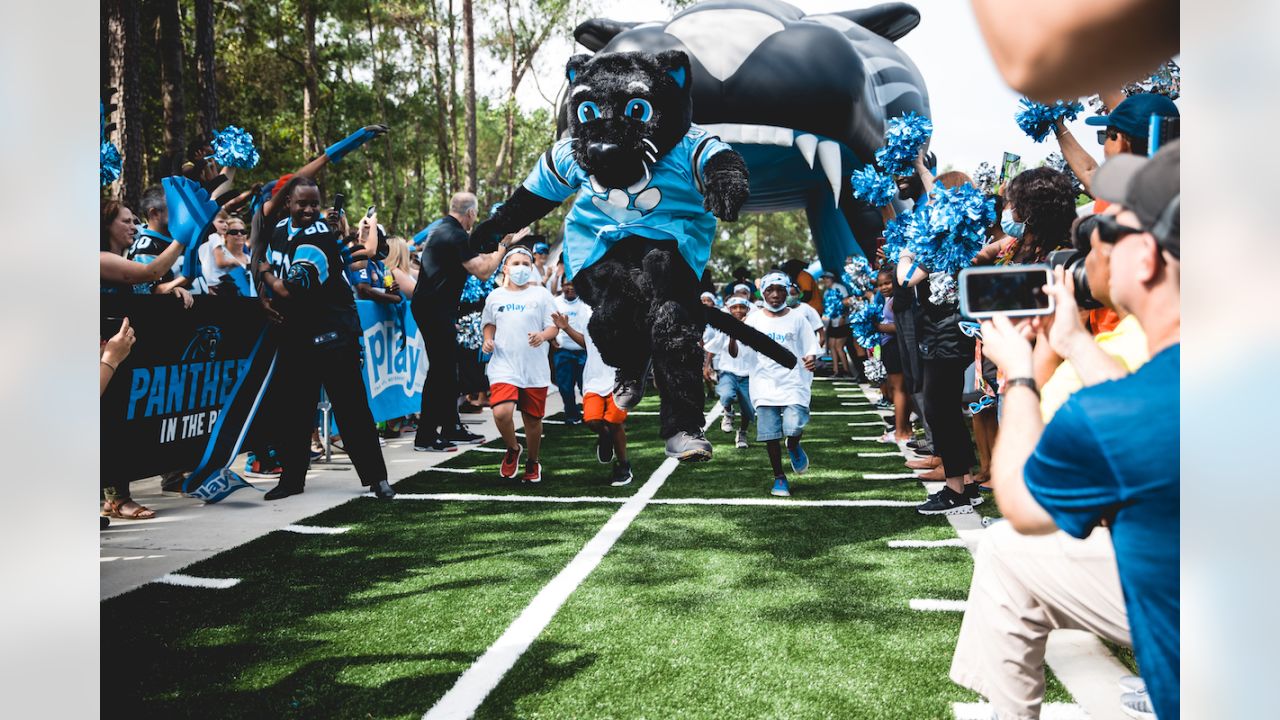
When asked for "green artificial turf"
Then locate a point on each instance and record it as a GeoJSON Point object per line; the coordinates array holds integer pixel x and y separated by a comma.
{"type": "Point", "coordinates": [697, 612]}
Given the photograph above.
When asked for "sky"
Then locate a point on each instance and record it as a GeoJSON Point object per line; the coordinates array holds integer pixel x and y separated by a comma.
{"type": "Point", "coordinates": [973, 108]}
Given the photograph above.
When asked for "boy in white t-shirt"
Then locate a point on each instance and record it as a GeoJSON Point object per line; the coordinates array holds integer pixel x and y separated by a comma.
{"type": "Point", "coordinates": [734, 364]}
{"type": "Point", "coordinates": [517, 330]}
{"type": "Point", "coordinates": [781, 396]}
{"type": "Point", "coordinates": [599, 411]}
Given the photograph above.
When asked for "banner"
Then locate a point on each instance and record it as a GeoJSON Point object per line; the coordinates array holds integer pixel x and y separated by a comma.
{"type": "Point", "coordinates": [163, 401]}
{"type": "Point", "coordinates": [395, 363]}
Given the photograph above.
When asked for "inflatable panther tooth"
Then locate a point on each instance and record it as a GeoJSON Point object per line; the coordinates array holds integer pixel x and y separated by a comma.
{"type": "Point", "coordinates": [803, 98]}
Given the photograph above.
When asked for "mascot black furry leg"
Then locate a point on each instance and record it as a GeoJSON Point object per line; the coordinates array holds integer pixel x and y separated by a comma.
{"type": "Point", "coordinates": [649, 186]}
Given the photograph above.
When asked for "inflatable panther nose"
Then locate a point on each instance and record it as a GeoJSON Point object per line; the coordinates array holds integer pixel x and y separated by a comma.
{"type": "Point", "coordinates": [603, 154]}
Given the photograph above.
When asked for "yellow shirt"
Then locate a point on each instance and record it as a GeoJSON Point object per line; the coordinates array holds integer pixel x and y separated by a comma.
{"type": "Point", "coordinates": [1127, 344]}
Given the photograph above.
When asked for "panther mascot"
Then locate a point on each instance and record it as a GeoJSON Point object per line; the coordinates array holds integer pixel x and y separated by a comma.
{"type": "Point", "coordinates": [649, 186]}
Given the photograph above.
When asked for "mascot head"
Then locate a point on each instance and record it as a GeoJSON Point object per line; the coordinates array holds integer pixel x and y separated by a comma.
{"type": "Point", "coordinates": [626, 110]}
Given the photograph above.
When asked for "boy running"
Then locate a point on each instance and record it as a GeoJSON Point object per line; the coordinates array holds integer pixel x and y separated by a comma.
{"type": "Point", "coordinates": [734, 363]}
{"type": "Point", "coordinates": [599, 412]}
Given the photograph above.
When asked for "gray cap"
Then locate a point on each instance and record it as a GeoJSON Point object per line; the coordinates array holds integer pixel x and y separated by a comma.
{"type": "Point", "coordinates": [1150, 188]}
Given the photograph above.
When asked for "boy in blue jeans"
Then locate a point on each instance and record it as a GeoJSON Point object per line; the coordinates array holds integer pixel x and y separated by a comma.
{"type": "Point", "coordinates": [781, 396]}
{"type": "Point", "coordinates": [734, 365]}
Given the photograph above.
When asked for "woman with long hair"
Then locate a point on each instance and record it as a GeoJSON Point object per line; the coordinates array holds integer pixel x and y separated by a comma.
{"type": "Point", "coordinates": [117, 274]}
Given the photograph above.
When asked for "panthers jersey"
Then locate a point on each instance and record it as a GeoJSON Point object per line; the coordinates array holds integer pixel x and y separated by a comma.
{"type": "Point", "coordinates": [146, 247]}
{"type": "Point", "coordinates": [665, 204]}
{"type": "Point", "coordinates": [320, 309]}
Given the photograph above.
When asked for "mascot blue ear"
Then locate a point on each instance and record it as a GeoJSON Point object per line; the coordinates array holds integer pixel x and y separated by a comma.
{"type": "Point", "coordinates": [676, 64]}
{"type": "Point", "coordinates": [575, 66]}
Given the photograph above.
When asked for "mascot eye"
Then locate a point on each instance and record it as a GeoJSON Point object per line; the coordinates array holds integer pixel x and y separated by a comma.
{"type": "Point", "coordinates": [639, 109]}
{"type": "Point", "coordinates": [588, 111]}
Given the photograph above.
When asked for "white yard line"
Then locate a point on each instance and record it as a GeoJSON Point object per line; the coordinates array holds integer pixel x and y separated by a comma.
{"type": "Point", "coordinates": [478, 497]}
{"type": "Point", "coordinates": [890, 476]}
{"type": "Point", "coordinates": [198, 582]}
{"type": "Point", "coordinates": [891, 453]}
{"type": "Point", "coordinates": [466, 695]}
{"type": "Point", "coordinates": [950, 542]}
{"type": "Point", "coordinates": [934, 605]}
{"type": "Point", "coordinates": [1048, 711]}
{"type": "Point", "coordinates": [842, 412]}
{"type": "Point", "coordinates": [477, 448]}
{"type": "Point", "coordinates": [779, 502]}
{"type": "Point", "coordinates": [872, 423]}
{"type": "Point", "coordinates": [314, 530]}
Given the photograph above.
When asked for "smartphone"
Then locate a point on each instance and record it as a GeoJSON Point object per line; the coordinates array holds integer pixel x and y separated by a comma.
{"type": "Point", "coordinates": [372, 209]}
{"type": "Point", "coordinates": [339, 202]}
{"type": "Point", "coordinates": [1008, 166]}
{"type": "Point", "coordinates": [1012, 291]}
{"type": "Point", "coordinates": [110, 326]}
{"type": "Point", "coordinates": [1162, 131]}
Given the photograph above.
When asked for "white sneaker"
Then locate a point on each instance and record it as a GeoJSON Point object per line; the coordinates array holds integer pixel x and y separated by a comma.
{"type": "Point", "coordinates": [1132, 684]}
{"type": "Point", "coordinates": [889, 438]}
{"type": "Point", "coordinates": [1137, 705]}
{"type": "Point", "coordinates": [741, 442]}
{"type": "Point", "coordinates": [726, 422]}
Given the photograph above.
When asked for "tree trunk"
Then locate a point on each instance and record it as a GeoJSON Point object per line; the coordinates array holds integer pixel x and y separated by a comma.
{"type": "Point", "coordinates": [206, 81]}
{"type": "Point", "coordinates": [124, 39]}
{"type": "Point", "coordinates": [453, 100]}
{"type": "Point", "coordinates": [169, 42]}
{"type": "Point", "coordinates": [469, 90]}
{"type": "Point", "coordinates": [444, 108]}
{"type": "Point", "coordinates": [379, 93]}
{"type": "Point", "coordinates": [311, 89]}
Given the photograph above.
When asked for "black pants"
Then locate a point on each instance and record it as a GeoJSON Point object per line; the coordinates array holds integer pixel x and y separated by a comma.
{"type": "Point", "coordinates": [943, 386]}
{"type": "Point", "coordinates": [440, 390]}
{"type": "Point", "coordinates": [645, 304]}
{"type": "Point", "coordinates": [302, 371]}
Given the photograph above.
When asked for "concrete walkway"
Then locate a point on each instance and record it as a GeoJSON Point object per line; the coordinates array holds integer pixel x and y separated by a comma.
{"type": "Point", "coordinates": [184, 531]}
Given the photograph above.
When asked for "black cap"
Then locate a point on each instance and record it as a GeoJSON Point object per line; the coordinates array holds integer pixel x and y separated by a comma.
{"type": "Point", "coordinates": [1150, 188]}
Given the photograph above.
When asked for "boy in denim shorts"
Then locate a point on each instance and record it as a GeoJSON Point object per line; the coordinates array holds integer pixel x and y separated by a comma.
{"type": "Point", "coordinates": [781, 396]}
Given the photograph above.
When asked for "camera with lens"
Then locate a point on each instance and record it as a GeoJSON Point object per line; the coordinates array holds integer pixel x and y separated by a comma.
{"type": "Point", "coordinates": [1072, 261]}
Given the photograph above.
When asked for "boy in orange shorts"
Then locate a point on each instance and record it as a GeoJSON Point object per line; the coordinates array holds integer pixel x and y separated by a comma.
{"type": "Point", "coordinates": [517, 331]}
{"type": "Point", "coordinates": [599, 412]}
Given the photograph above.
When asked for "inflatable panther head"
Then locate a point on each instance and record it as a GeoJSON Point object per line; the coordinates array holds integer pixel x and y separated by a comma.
{"type": "Point", "coordinates": [627, 110]}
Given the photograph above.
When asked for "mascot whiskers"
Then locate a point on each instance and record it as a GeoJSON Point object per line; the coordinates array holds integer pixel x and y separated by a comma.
{"type": "Point", "coordinates": [649, 186]}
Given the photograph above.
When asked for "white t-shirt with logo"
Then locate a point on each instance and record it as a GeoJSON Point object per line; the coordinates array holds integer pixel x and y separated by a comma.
{"type": "Point", "coordinates": [811, 316]}
{"type": "Point", "coordinates": [717, 343]}
{"type": "Point", "coordinates": [597, 377]}
{"type": "Point", "coordinates": [772, 384]}
{"type": "Point", "coordinates": [578, 313]}
{"type": "Point", "coordinates": [515, 314]}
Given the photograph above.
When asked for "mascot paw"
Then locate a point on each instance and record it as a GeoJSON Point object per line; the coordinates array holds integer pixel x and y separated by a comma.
{"type": "Point", "coordinates": [727, 186]}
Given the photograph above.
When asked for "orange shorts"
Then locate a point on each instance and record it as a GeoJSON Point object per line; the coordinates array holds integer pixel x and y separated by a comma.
{"type": "Point", "coordinates": [528, 400]}
{"type": "Point", "coordinates": [598, 407]}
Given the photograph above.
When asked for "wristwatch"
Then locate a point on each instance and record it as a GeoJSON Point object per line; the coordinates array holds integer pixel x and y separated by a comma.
{"type": "Point", "coordinates": [1026, 382]}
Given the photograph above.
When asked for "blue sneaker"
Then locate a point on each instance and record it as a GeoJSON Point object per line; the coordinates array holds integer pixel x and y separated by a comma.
{"type": "Point", "coordinates": [781, 487]}
{"type": "Point", "coordinates": [799, 460]}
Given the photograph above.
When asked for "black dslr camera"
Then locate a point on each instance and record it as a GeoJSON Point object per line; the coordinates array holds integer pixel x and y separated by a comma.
{"type": "Point", "coordinates": [1073, 262]}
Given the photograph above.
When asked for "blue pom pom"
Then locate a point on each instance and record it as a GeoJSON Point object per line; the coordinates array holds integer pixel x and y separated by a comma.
{"type": "Point", "coordinates": [896, 235]}
{"type": "Point", "coordinates": [863, 322]}
{"type": "Point", "coordinates": [873, 187]}
{"type": "Point", "coordinates": [949, 231]}
{"type": "Point", "coordinates": [233, 147]}
{"type": "Point", "coordinates": [476, 290]}
{"type": "Point", "coordinates": [902, 142]}
{"type": "Point", "coordinates": [857, 275]}
{"type": "Point", "coordinates": [109, 163]}
{"type": "Point", "coordinates": [833, 304]}
{"type": "Point", "coordinates": [1037, 119]}
{"type": "Point", "coordinates": [470, 335]}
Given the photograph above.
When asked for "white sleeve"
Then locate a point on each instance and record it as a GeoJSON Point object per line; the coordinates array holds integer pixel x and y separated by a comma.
{"type": "Point", "coordinates": [808, 342]}
{"type": "Point", "coordinates": [548, 305]}
{"type": "Point", "coordinates": [715, 342]}
{"type": "Point", "coordinates": [487, 316]}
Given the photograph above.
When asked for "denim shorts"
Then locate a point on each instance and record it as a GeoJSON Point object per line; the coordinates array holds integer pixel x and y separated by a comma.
{"type": "Point", "coordinates": [775, 421]}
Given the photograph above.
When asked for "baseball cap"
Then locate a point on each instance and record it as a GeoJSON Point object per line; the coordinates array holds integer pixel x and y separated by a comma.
{"type": "Point", "coordinates": [775, 278]}
{"type": "Point", "coordinates": [541, 248]}
{"type": "Point", "coordinates": [827, 274]}
{"type": "Point", "coordinates": [1133, 115]}
{"type": "Point", "coordinates": [1150, 187]}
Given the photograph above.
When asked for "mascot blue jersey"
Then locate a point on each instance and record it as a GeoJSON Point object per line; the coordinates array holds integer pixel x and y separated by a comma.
{"type": "Point", "coordinates": [666, 204]}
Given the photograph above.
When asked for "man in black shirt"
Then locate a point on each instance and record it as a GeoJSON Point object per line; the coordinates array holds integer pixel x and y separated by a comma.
{"type": "Point", "coordinates": [447, 259]}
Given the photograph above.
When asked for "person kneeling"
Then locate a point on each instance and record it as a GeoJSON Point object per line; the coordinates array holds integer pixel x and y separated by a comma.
{"type": "Point", "coordinates": [781, 396]}
{"type": "Point", "coordinates": [517, 328]}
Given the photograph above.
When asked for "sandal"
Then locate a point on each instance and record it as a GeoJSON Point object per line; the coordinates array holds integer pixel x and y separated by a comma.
{"type": "Point", "coordinates": [112, 509]}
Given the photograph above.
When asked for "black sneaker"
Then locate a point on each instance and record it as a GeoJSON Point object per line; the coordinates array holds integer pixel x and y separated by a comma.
{"type": "Point", "coordinates": [604, 448]}
{"type": "Point", "coordinates": [439, 445]}
{"type": "Point", "coordinates": [627, 392]}
{"type": "Point", "coordinates": [945, 502]}
{"type": "Point", "coordinates": [621, 475]}
{"type": "Point", "coordinates": [463, 436]}
{"type": "Point", "coordinates": [279, 492]}
{"type": "Point", "coordinates": [973, 494]}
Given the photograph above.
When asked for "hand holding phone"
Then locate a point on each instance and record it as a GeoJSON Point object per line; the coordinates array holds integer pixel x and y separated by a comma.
{"type": "Point", "coordinates": [1006, 290]}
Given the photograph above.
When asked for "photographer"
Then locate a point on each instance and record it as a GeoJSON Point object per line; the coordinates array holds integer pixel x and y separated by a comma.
{"type": "Point", "coordinates": [1108, 462]}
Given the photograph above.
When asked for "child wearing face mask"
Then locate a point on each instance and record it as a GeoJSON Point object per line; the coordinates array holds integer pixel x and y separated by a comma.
{"type": "Point", "coordinates": [518, 328]}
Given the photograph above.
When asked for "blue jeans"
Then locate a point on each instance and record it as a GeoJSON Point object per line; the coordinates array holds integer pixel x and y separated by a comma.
{"type": "Point", "coordinates": [569, 367]}
{"type": "Point", "coordinates": [730, 387]}
{"type": "Point", "coordinates": [777, 421]}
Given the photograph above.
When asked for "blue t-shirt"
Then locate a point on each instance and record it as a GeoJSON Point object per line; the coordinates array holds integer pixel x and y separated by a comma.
{"type": "Point", "coordinates": [666, 204]}
{"type": "Point", "coordinates": [1112, 452]}
{"type": "Point", "coordinates": [371, 274]}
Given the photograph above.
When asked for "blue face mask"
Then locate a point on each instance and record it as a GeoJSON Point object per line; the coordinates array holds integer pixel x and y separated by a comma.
{"type": "Point", "coordinates": [1011, 228]}
{"type": "Point", "coordinates": [519, 274]}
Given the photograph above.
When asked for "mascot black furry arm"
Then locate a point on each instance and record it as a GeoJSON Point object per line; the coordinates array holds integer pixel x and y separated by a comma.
{"type": "Point", "coordinates": [638, 237]}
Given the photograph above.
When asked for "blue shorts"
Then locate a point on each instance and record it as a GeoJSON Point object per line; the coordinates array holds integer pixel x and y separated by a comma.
{"type": "Point", "coordinates": [775, 421]}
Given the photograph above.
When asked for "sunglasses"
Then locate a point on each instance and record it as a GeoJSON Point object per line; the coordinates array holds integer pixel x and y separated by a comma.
{"type": "Point", "coordinates": [1106, 134]}
{"type": "Point", "coordinates": [971, 329]}
{"type": "Point", "coordinates": [1111, 232]}
{"type": "Point", "coordinates": [236, 232]}
{"type": "Point", "coordinates": [986, 402]}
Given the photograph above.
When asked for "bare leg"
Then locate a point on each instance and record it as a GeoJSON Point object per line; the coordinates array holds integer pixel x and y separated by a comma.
{"type": "Point", "coordinates": [619, 441]}
{"type": "Point", "coordinates": [985, 427]}
{"type": "Point", "coordinates": [532, 435]}
{"type": "Point", "coordinates": [901, 407]}
{"type": "Point", "coordinates": [775, 456]}
{"type": "Point", "coordinates": [503, 418]}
